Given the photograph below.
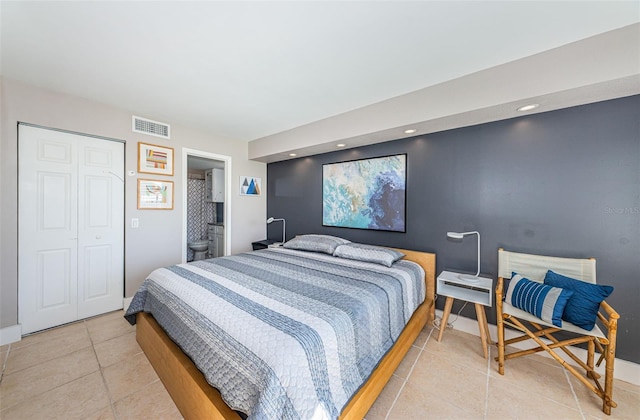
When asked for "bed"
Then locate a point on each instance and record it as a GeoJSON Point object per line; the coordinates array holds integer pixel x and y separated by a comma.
{"type": "Point", "coordinates": [324, 366]}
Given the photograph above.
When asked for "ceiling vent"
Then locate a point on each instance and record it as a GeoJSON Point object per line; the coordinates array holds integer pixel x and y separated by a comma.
{"type": "Point", "coordinates": [150, 127]}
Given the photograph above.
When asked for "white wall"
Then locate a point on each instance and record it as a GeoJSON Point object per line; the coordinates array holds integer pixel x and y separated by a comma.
{"type": "Point", "coordinates": [158, 240]}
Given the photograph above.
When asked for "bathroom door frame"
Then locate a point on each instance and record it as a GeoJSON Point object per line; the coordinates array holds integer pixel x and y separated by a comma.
{"type": "Point", "coordinates": [227, 196]}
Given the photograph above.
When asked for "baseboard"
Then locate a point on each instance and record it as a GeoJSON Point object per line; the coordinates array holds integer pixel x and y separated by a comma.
{"type": "Point", "coordinates": [625, 370]}
{"type": "Point", "coordinates": [10, 334]}
{"type": "Point", "coordinates": [13, 333]}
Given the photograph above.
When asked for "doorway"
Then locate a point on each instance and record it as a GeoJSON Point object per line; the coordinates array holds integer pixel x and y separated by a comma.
{"type": "Point", "coordinates": [207, 207]}
{"type": "Point", "coordinates": [70, 228]}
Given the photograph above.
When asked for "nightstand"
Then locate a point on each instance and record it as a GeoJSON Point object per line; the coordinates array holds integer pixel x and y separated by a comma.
{"type": "Point", "coordinates": [265, 243]}
{"type": "Point", "coordinates": [478, 292]}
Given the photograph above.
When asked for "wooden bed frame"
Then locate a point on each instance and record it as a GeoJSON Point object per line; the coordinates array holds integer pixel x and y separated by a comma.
{"type": "Point", "coordinates": [196, 399]}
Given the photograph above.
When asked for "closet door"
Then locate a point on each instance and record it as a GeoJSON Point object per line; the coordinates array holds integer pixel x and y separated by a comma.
{"type": "Point", "coordinates": [47, 228]}
{"type": "Point", "coordinates": [100, 226]}
{"type": "Point", "coordinates": [69, 189]}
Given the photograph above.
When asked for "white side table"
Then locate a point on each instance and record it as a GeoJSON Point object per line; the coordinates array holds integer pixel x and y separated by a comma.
{"type": "Point", "coordinates": [478, 291]}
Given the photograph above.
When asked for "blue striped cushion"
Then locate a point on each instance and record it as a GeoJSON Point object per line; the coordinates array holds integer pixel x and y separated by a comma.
{"type": "Point", "coordinates": [545, 302]}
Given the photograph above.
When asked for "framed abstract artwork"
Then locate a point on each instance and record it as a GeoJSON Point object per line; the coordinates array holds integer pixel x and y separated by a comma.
{"type": "Point", "coordinates": [250, 185]}
{"type": "Point", "coordinates": [153, 159]}
{"type": "Point", "coordinates": [154, 194]}
{"type": "Point", "coordinates": [365, 193]}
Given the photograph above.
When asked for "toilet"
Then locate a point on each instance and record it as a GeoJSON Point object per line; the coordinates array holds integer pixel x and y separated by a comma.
{"type": "Point", "coordinates": [199, 248]}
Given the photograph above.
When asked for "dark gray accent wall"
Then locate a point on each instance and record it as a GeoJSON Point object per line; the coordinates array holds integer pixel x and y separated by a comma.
{"type": "Point", "coordinates": [563, 183]}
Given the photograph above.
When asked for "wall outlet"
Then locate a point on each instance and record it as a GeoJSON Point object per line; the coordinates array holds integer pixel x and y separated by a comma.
{"type": "Point", "coordinates": [135, 223]}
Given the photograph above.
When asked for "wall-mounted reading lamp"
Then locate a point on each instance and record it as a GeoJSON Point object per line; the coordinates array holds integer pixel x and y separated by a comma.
{"type": "Point", "coordinates": [460, 235]}
{"type": "Point", "coordinates": [284, 224]}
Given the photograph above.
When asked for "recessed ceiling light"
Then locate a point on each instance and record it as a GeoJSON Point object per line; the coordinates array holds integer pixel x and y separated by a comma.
{"type": "Point", "coordinates": [293, 154]}
{"type": "Point", "coordinates": [410, 131]}
{"type": "Point", "coordinates": [528, 107]}
{"type": "Point", "coordinates": [340, 145]}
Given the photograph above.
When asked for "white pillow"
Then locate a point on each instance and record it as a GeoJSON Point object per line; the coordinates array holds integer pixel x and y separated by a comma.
{"type": "Point", "coordinates": [315, 243]}
{"type": "Point", "coordinates": [368, 253]}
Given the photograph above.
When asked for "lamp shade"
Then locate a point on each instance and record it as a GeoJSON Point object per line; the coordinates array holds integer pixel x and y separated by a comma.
{"type": "Point", "coordinates": [284, 227]}
{"type": "Point", "coordinates": [461, 235]}
{"type": "Point", "coordinates": [454, 235]}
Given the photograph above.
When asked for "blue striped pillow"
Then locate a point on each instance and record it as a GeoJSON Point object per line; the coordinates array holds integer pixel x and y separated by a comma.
{"type": "Point", "coordinates": [545, 302]}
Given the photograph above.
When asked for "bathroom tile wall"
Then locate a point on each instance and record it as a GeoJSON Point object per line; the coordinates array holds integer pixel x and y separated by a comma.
{"type": "Point", "coordinates": [199, 212]}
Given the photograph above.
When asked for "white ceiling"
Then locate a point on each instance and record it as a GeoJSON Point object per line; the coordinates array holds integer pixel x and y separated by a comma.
{"type": "Point", "coordinates": [248, 70]}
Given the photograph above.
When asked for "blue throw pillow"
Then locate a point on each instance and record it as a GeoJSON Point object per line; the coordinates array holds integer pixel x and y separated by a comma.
{"type": "Point", "coordinates": [541, 300]}
{"type": "Point", "coordinates": [582, 308]}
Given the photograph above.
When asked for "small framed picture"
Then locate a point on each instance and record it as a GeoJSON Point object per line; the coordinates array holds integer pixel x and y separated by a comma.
{"type": "Point", "coordinates": [153, 159]}
{"type": "Point", "coordinates": [250, 185]}
{"type": "Point", "coordinates": [155, 195]}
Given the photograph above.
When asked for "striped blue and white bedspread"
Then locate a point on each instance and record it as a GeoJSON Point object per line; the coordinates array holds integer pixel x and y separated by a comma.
{"type": "Point", "coordinates": [283, 334]}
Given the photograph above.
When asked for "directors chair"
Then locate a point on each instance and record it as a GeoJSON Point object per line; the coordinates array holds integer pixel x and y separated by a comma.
{"type": "Point", "coordinates": [546, 295]}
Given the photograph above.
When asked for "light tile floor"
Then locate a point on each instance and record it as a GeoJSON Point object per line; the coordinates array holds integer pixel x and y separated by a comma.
{"type": "Point", "coordinates": [94, 369]}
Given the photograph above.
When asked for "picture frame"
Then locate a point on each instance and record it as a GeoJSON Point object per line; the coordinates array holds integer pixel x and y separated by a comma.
{"type": "Point", "coordinates": [251, 186]}
{"type": "Point", "coordinates": [366, 193]}
{"type": "Point", "coordinates": [154, 194]}
{"type": "Point", "coordinates": [154, 159]}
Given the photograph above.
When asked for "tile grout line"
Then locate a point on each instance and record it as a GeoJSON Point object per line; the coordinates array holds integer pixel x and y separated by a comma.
{"type": "Point", "coordinates": [573, 392]}
{"type": "Point", "coordinates": [45, 361]}
{"type": "Point", "coordinates": [4, 363]}
{"type": "Point", "coordinates": [408, 375]}
{"type": "Point", "coordinates": [104, 380]}
{"type": "Point", "coordinates": [29, 345]}
{"type": "Point", "coordinates": [486, 393]}
{"type": "Point", "coordinates": [559, 401]}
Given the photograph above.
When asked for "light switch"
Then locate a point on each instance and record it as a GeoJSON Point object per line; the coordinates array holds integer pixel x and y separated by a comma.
{"type": "Point", "coordinates": [135, 223]}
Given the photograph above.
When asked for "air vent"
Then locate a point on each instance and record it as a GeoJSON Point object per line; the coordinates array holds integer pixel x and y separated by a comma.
{"type": "Point", "coordinates": [150, 127]}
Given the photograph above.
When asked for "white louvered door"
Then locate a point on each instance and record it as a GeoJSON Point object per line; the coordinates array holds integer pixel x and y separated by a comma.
{"type": "Point", "coordinates": [71, 220]}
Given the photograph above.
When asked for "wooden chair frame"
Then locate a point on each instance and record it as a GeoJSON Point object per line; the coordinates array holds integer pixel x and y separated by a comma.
{"type": "Point", "coordinates": [606, 345]}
